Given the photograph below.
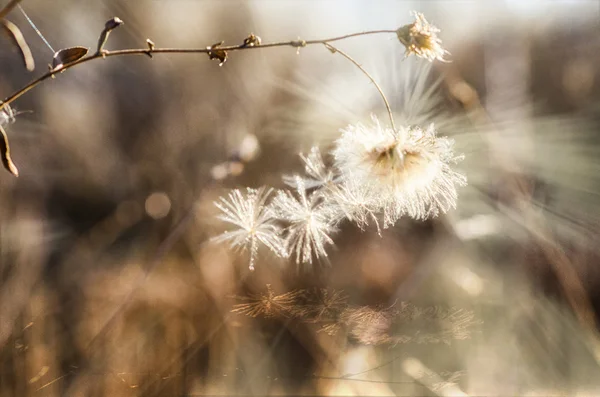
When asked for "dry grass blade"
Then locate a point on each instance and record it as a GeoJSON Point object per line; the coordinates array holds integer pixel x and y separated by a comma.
{"type": "Point", "coordinates": [5, 152]}
{"type": "Point", "coordinates": [19, 40]}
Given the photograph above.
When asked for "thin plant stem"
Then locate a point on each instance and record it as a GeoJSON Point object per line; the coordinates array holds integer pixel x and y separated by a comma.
{"type": "Point", "coordinates": [348, 57]}
{"type": "Point", "coordinates": [39, 33]}
{"type": "Point", "coordinates": [207, 50]}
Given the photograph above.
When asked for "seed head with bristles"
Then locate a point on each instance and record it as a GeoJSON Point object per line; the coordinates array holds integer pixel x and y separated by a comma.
{"type": "Point", "coordinates": [311, 221]}
{"type": "Point", "coordinates": [267, 304]}
{"type": "Point", "coordinates": [406, 171]}
{"type": "Point", "coordinates": [420, 38]}
{"type": "Point", "coordinates": [254, 223]}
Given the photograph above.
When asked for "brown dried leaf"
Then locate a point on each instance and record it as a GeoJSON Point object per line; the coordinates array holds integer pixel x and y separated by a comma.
{"type": "Point", "coordinates": [216, 53]}
{"type": "Point", "coordinates": [17, 37]}
{"type": "Point", "coordinates": [68, 55]}
{"type": "Point", "coordinates": [5, 153]}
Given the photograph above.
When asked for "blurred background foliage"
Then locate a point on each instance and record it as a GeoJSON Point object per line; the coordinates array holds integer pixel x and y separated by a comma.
{"type": "Point", "coordinates": [110, 287]}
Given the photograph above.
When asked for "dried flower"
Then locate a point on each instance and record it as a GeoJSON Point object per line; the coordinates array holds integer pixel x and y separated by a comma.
{"type": "Point", "coordinates": [311, 219]}
{"type": "Point", "coordinates": [405, 171]}
{"type": "Point", "coordinates": [420, 38]}
{"type": "Point", "coordinates": [254, 221]}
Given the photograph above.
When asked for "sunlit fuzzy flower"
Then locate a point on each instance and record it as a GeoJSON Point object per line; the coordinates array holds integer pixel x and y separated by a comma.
{"type": "Point", "coordinates": [420, 38]}
{"type": "Point", "coordinates": [254, 221]}
{"type": "Point", "coordinates": [311, 222]}
{"type": "Point", "coordinates": [317, 173]}
{"type": "Point", "coordinates": [405, 171]}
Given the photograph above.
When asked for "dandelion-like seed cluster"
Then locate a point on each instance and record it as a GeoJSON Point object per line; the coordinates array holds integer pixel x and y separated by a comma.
{"type": "Point", "coordinates": [254, 223]}
{"type": "Point", "coordinates": [311, 220]}
{"type": "Point", "coordinates": [378, 175]}
{"type": "Point", "coordinates": [401, 172]}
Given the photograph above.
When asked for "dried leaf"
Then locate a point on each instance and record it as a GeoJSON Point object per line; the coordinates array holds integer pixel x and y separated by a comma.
{"type": "Point", "coordinates": [68, 55]}
{"type": "Point", "coordinates": [17, 37]}
{"type": "Point", "coordinates": [216, 53]}
{"type": "Point", "coordinates": [5, 153]}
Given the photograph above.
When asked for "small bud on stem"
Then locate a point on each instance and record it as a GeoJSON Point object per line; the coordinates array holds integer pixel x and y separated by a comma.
{"type": "Point", "coordinates": [111, 24]}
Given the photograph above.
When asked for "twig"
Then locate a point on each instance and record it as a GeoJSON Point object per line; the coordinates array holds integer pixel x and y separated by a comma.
{"type": "Point", "coordinates": [206, 50]}
{"type": "Point", "coordinates": [348, 57]}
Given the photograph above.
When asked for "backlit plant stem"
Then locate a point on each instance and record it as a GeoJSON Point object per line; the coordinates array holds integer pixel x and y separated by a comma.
{"type": "Point", "coordinates": [348, 57]}
{"type": "Point", "coordinates": [146, 51]}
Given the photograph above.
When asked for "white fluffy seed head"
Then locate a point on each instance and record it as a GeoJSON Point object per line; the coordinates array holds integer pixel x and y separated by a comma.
{"type": "Point", "coordinates": [311, 221]}
{"type": "Point", "coordinates": [407, 171]}
{"type": "Point", "coordinates": [254, 223]}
